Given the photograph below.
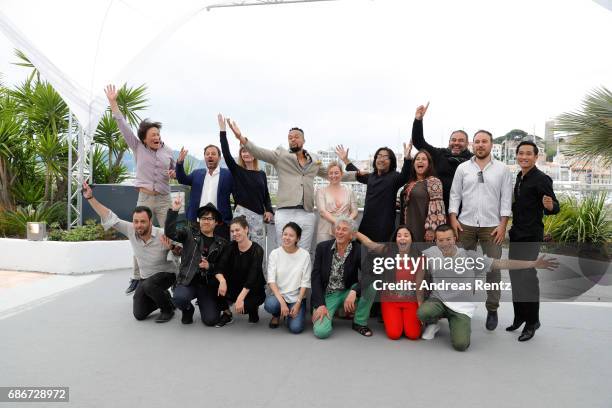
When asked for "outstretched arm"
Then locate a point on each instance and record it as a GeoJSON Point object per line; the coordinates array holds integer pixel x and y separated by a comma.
{"type": "Point", "coordinates": [260, 153]}
{"type": "Point", "coordinates": [227, 154]}
{"type": "Point", "coordinates": [540, 263]}
{"type": "Point", "coordinates": [368, 243]}
{"type": "Point", "coordinates": [108, 218]}
{"type": "Point", "coordinates": [129, 136]}
{"type": "Point", "coordinates": [418, 139]}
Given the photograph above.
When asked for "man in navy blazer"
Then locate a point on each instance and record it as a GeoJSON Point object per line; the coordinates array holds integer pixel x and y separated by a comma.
{"type": "Point", "coordinates": [211, 185]}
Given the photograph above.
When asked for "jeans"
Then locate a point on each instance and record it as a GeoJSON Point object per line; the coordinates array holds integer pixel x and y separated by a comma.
{"type": "Point", "coordinates": [208, 301]}
{"type": "Point", "coordinates": [295, 324]}
{"type": "Point", "coordinates": [152, 294]}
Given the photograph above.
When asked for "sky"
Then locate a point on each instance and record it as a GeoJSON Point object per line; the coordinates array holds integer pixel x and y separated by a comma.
{"type": "Point", "coordinates": [354, 71]}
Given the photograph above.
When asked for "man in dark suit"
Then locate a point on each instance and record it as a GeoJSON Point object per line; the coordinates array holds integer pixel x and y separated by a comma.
{"type": "Point", "coordinates": [211, 185]}
{"type": "Point", "coordinates": [335, 281]}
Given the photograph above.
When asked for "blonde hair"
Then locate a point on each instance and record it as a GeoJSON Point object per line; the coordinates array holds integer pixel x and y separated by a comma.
{"type": "Point", "coordinates": [332, 165]}
{"type": "Point", "coordinates": [241, 161]}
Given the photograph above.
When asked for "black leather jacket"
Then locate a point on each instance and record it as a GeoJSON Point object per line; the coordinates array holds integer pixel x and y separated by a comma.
{"type": "Point", "coordinates": [192, 241]}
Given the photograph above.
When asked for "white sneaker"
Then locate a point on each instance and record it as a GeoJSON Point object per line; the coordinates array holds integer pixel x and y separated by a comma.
{"type": "Point", "coordinates": [430, 331]}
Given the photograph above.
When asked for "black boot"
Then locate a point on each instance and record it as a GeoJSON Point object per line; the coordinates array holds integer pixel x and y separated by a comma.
{"type": "Point", "coordinates": [515, 325]}
{"type": "Point", "coordinates": [491, 320]}
{"type": "Point", "coordinates": [529, 332]}
{"type": "Point", "coordinates": [187, 317]}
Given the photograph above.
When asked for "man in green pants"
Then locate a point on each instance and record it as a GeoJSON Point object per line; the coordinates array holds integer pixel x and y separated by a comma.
{"type": "Point", "coordinates": [335, 281]}
{"type": "Point", "coordinates": [454, 276]}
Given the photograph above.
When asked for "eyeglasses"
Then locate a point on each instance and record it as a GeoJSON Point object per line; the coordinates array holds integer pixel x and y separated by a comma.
{"type": "Point", "coordinates": [207, 218]}
{"type": "Point", "coordinates": [480, 177]}
{"type": "Point", "coordinates": [383, 156]}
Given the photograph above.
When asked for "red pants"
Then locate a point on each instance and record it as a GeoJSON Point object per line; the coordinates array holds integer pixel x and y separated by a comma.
{"type": "Point", "coordinates": [401, 317]}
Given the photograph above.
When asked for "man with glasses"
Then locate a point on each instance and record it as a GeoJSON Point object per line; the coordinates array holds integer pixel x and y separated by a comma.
{"type": "Point", "coordinates": [482, 187]}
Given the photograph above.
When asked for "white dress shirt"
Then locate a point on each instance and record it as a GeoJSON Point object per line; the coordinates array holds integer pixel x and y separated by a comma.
{"type": "Point", "coordinates": [484, 198]}
{"type": "Point", "coordinates": [211, 185]}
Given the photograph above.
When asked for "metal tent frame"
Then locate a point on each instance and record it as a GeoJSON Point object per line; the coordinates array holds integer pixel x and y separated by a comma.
{"type": "Point", "coordinates": [80, 148]}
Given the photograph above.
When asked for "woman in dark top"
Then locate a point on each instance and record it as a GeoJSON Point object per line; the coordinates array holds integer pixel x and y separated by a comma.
{"type": "Point", "coordinates": [243, 281]}
{"type": "Point", "coordinates": [422, 201]}
{"type": "Point", "coordinates": [378, 220]}
{"type": "Point", "coordinates": [250, 192]}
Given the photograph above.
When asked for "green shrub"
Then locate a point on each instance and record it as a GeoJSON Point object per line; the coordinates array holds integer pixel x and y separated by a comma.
{"type": "Point", "coordinates": [88, 232]}
{"type": "Point", "coordinates": [585, 221]}
{"type": "Point", "coordinates": [14, 223]}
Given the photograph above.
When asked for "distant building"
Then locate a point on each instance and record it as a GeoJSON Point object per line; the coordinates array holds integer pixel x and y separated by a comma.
{"type": "Point", "coordinates": [497, 151]}
{"type": "Point", "coordinates": [550, 144]}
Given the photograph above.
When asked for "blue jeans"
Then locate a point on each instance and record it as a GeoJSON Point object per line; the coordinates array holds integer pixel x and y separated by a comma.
{"type": "Point", "coordinates": [295, 324]}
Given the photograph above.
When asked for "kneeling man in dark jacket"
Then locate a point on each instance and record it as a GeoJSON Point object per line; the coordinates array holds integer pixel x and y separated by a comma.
{"type": "Point", "coordinates": [197, 277]}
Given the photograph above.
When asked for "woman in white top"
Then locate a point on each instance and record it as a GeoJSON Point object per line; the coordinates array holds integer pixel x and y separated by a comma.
{"type": "Point", "coordinates": [288, 280]}
{"type": "Point", "coordinates": [334, 200]}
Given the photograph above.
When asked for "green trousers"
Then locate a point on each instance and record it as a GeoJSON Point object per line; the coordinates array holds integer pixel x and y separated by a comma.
{"type": "Point", "coordinates": [323, 328]}
{"type": "Point", "coordinates": [460, 325]}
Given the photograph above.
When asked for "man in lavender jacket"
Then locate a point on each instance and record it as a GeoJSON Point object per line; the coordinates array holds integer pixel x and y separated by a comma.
{"type": "Point", "coordinates": [154, 161]}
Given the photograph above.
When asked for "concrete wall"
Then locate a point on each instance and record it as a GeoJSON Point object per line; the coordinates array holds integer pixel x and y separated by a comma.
{"type": "Point", "coordinates": [64, 257]}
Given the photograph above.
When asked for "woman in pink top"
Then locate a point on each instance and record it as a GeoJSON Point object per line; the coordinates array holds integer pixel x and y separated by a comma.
{"type": "Point", "coordinates": [333, 200]}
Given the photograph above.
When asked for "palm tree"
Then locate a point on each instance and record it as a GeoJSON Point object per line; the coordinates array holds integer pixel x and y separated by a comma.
{"type": "Point", "coordinates": [589, 130]}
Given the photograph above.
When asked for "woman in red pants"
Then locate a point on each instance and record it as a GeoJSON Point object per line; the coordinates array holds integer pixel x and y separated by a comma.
{"type": "Point", "coordinates": [399, 307]}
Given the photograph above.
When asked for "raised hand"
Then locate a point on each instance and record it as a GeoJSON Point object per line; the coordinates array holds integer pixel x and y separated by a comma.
{"type": "Point", "coordinates": [182, 155]}
{"type": "Point", "coordinates": [342, 154]}
{"type": "Point", "coordinates": [177, 203]}
{"type": "Point", "coordinates": [420, 112]}
{"type": "Point", "coordinates": [221, 121]}
{"type": "Point", "coordinates": [408, 150]}
{"type": "Point", "coordinates": [235, 129]}
{"type": "Point", "coordinates": [111, 93]}
{"type": "Point", "coordinates": [87, 193]}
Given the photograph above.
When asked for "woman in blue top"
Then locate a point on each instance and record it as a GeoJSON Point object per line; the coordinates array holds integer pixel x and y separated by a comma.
{"type": "Point", "coordinates": [251, 194]}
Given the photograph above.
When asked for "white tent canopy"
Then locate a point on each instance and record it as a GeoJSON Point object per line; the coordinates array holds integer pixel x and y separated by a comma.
{"type": "Point", "coordinates": [117, 33]}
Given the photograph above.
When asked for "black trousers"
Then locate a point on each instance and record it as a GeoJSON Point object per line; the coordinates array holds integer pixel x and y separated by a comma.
{"type": "Point", "coordinates": [152, 294]}
{"type": "Point", "coordinates": [525, 283]}
{"type": "Point", "coordinates": [252, 301]}
{"type": "Point", "coordinates": [208, 301]}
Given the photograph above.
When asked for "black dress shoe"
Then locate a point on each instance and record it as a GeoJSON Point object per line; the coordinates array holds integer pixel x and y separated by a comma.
{"type": "Point", "coordinates": [165, 317]}
{"type": "Point", "coordinates": [515, 325]}
{"type": "Point", "coordinates": [529, 332]}
{"type": "Point", "coordinates": [187, 317]}
{"type": "Point", "coordinates": [491, 320]}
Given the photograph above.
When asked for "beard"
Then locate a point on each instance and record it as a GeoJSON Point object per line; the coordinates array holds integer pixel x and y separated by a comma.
{"type": "Point", "coordinates": [295, 149]}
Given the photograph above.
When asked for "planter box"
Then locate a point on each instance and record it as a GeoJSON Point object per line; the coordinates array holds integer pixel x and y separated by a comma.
{"type": "Point", "coordinates": [64, 258]}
